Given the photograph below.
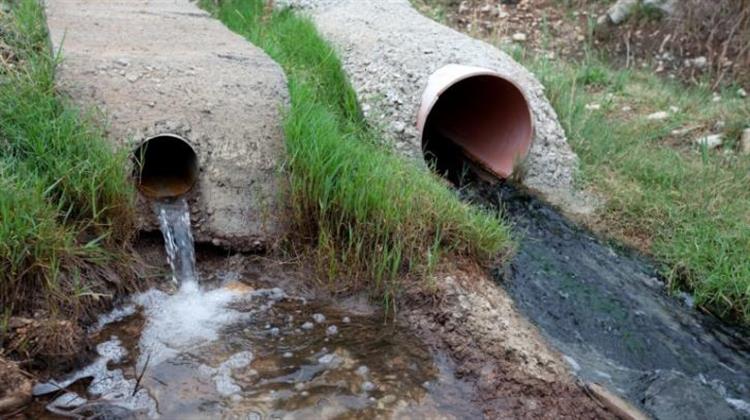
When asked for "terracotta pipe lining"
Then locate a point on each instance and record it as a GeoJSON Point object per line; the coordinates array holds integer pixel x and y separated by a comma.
{"type": "Point", "coordinates": [474, 113]}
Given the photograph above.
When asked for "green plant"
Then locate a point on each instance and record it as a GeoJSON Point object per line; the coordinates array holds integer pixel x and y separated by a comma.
{"type": "Point", "coordinates": [373, 218]}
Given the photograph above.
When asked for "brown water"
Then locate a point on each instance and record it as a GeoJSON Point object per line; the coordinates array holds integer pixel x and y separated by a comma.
{"type": "Point", "coordinates": [232, 347]}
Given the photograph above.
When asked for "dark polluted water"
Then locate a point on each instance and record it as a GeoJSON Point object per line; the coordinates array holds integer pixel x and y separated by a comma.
{"type": "Point", "coordinates": [606, 310]}
{"type": "Point", "coordinates": [231, 347]}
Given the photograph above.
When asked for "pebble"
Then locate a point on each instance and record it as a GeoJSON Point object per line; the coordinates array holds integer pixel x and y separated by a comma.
{"type": "Point", "coordinates": [745, 142]}
{"type": "Point", "coordinates": [657, 116]}
{"type": "Point", "coordinates": [362, 370]}
{"type": "Point", "coordinates": [332, 330]}
{"type": "Point", "coordinates": [346, 320]}
{"type": "Point", "coordinates": [288, 355]}
{"type": "Point", "coordinates": [368, 386]}
{"type": "Point", "coordinates": [593, 107]}
{"type": "Point", "coordinates": [711, 141]}
{"type": "Point", "coordinates": [319, 318]}
{"type": "Point", "coordinates": [742, 93]}
{"type": "Point", "coordinates": [274, 331]}
{"type": "Point", "coordinates": [307, 325]}
{"type": "Point", "coordinates": [519, 37]}
{"type": "Point", "coordinates": [697, 62]}
{"type": "Point", "coordinates": [328, 358]}
{"type": "Point", "coordinates": [626, 108]}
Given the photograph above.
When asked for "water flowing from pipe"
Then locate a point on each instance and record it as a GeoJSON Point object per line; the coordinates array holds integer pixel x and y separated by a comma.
{"type": "Point", "coordinates": [174, 222]}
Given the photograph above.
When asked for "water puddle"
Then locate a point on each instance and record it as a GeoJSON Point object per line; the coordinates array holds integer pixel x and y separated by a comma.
{"type": "Point", "coordinates": [230, 349]}
{"type": "Point", "coordinates": [608, 313]}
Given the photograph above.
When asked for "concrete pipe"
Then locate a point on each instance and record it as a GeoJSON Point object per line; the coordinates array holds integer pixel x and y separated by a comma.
{"type": "Point", "coordinates": [474, 113]}
{"type": "Point", "coordinates": [165, 66]}
{"type": "Point", "coordinates": [166, 166]}
{"type": "Point", "coordinates": [390, 51]}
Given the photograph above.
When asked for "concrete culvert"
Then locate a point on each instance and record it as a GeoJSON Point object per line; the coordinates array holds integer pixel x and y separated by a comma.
{"type": "Point", "coordinates": [165, 66]}
{"type": "Point", "coordinates": [166, 166]}
{"type": "Point", "coordinates": [469, 112]}
{"type": "Point", "coordinates": [389, 51]}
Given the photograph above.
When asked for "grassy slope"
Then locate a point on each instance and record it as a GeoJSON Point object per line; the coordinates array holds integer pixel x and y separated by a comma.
{"type": "Point", "coordinates": [65, 200]}
{"type": "Point", "coordinates": [372, 216]}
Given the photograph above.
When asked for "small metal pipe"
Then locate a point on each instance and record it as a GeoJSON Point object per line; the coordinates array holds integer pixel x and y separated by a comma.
{"type": "Point", "coordinates": [166, 166]}
{"type": "Point", "coordinates": [476, 113]}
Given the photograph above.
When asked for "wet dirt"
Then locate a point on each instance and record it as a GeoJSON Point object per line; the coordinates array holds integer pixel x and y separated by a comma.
{"type": "Point", "coordinates": [608, 312]}
{"type": "Point", "coordinates": [281, 356]}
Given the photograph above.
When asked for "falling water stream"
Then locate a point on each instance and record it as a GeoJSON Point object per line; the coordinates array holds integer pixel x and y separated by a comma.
{"type": "Point", "coordinates": [229, 348]}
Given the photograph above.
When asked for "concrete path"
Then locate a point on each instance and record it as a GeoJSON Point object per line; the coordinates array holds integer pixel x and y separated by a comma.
{"type": "Point", "coordinates": [165, 66]}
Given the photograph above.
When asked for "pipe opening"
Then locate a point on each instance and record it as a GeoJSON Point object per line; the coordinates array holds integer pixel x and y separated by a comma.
{"type": "Point", "coordinates": [166, 166]}
{"type": "Point", "coordinates": [481, 122]}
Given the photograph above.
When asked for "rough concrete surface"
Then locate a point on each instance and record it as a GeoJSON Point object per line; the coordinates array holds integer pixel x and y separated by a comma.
{"type": "Point", "coordinates": [165, 66]}
{"type": "Point", "coordinates": [389, 50]}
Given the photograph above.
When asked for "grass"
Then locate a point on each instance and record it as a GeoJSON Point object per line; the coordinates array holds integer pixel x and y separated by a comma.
{"type": "Point", "coordinates": [65, 199]}
{"type": "Point", "coordinates": [372, 217]}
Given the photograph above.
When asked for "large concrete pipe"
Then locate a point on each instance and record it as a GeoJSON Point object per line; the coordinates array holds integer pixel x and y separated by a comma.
{"type": "Point", "coordinates": [200, 106]}
{"type": "Point", "coordinates": [390, 51]}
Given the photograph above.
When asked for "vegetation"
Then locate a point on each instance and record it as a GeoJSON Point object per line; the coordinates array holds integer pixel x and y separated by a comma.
{"type": "Point", "coordinates": [373, 217]}
{"type": "Point", "coordinates": [65, 201]}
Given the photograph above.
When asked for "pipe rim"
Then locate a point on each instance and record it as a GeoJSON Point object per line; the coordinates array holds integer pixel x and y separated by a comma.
{"type": "Point", "coordinates": [171, 192]}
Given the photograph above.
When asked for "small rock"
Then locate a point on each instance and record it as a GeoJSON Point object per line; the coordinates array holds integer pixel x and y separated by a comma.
{"type": "Point", "coordinates": [307, 325]}
{"type": "Point", "coordinates": [697, 62]}
{"type": "Point", "coordinates": [274, 331]}
{"type": "Point", "coordinates": [716, 97]}
{"type": "Point", "coordinates": [362, 371]}
{"type": "Point", "coordinates": [132, 77]}
{"type": "Point", "coordinates": [122, 62]}
{"type": "Point", "coordinates": [745, 142]}
{"type": "Point", "coordinates": [328, 358]}
{"type": "Point", "coordinates": [398, 126]}
{"type": "Point", "coordinates": [711, 141]}
{"type": "Point", "coordinates": [368, 386]}
{"type": "Point", "coordinates": [742, 93]}
{"type": "Point", "coordinates": [287, 355]}
{"type": "Point", "coordinates": [621, 10]}
{"type": "Point", "coordinates": [593, 107]}
{"type": "Point", "coordinates": [346, 320]}
{"type": "Point", "coordinates": [332, 330]}
{"type": "Point", "coordinates": [673, 109]}
{"type": "Point", "coordinates": [519, 37]}
{"type": "Point", "coordinates": [319, 318]}
{"type": "Point", "coordinates": [657, 116]}
{"type": "Point", "coordinates": [626, 108]}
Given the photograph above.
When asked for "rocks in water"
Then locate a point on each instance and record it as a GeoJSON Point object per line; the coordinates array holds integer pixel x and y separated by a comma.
{"type": "Point", "coordinates": [711, 141]}
{"type": "Point", "coordinates": [745, 142]}
{"type": "Point", "coordinates": [672, 395]}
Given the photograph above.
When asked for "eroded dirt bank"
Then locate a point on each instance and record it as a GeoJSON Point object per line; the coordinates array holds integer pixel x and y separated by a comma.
{"type": "Point", "coordinates": [155, 67]}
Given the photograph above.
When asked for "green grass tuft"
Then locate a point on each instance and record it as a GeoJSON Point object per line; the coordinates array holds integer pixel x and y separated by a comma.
{"type": "Point", "coordinates": [373, 217]}
{"type": "Point", "coordinates": [65, 199]}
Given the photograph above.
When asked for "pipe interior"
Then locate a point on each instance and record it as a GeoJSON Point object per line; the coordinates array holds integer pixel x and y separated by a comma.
{"type": "Point", "coordinates": [482, 121]}
{"type": "Point", "coordinates": [166, 166]}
